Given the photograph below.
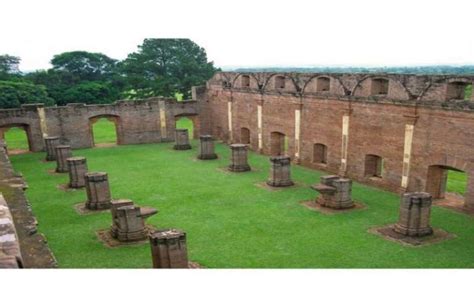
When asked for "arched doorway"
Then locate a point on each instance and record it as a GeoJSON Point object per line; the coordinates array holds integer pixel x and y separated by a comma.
{"type": "Point", "coordinates": [190, 122]}
{"type": "Point", "coordinates": [278, 144]}
{"type": "Point", "coordinates": [244, 135]}
{"type": "Point", "coordinates": [17, 138]}
{"type": "Point", "coordinates": [445, 180]}
{"type": "Point", "coordinates": [105, 130]}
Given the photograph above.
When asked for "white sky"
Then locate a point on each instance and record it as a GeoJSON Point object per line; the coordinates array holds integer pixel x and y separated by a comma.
{"type": "Point", "coordinates": [247, 33]}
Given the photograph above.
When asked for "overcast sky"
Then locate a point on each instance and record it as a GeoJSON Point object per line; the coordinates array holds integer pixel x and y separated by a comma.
{"type": "Point", "coordinates": [247, 33]}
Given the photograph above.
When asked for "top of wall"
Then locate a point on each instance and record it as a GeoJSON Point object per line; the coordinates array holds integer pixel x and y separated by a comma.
{"type": "Point", "coordinates": [448, 91]}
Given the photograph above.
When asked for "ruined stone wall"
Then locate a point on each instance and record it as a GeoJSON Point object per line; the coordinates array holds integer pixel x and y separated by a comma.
{"type": "Point", "coordinates": [137, 121]}
{"type": "Point", "coordinates": [411, 122]}
{"type": "Point", "coordinates": [22, 239]}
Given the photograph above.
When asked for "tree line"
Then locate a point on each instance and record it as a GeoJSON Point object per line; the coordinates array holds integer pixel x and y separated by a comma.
{"type": "Point", "coordinates": [160, 67]}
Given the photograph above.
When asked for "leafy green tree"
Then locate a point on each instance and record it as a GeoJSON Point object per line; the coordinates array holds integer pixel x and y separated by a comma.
{"type": "Point", "coordinates": [14, 94]}
{"type": "Point", "coordinates": [9, 66]}
{"type": "Point", "coordinates": [76, 71]}
{"type": "Point", "coordinates": [84, 65]}
{"type": "Point", "coordinates": [90, 92]}
{"type": "Point", "coordinates": [163, 67]}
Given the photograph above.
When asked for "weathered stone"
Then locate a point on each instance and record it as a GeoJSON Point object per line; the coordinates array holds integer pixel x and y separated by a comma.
{"type": "Point", "coordinates": [415, 210]}
{"type": "Point", "coordinates": [182, 140]}
{"type": "Point", "coordinates": [238, 159]}
{"type": "Point", "coordinates": [63, 152]}
{"type": "Point", "coordinates": [128, 220]}
{"type": "Point", "coordinates": [98, 191]}
{"type": "Point", "coordinates": [50, 143]}
{"type": "Point", "coordinates": [168, 249]}
{"type": "Point", "coordinates": [335, 192]}
{"type": "Point", "coordinates": [280, 172]}
{"type": "Point", "coordinates": [77, 170]}
{"type": "Point", "coordinates": [206, 148]}
{"type": "Point", "coordinates": [10, 255]}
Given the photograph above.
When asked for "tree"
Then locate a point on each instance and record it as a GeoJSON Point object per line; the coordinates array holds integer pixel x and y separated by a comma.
{"type": "Point", "coordinates": [90, 92]}
{"type": "Point", "coordinates": [163, 67]}
{"type": "Point", "coordinates": [84, 65]}
{"type": "Point", "coordinates": [76, 71]}
{"type": "Point", "coordinates": [14, 94]}
{"type": "Point", "coordinates": [8, 66]}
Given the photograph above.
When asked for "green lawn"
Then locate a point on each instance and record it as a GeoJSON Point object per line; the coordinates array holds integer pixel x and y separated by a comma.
{"type": "Point", "coordinates": [185, 123]}
{"type": "Point", "coordinates": [230, 222]}
{"type": "Point", "coordinates": [104, 132]}
{"type": "Point", "coordinates": [456, 182]}
{"type": "Point", "coordinates": [16, 139]}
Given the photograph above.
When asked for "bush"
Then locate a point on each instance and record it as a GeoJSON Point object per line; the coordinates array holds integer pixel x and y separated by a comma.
{"type": "Point", "coordinates": [14, 94]}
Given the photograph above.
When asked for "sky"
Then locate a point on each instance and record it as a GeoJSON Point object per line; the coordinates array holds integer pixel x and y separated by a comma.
{"type": "Point", "coordinates": [247, 33]}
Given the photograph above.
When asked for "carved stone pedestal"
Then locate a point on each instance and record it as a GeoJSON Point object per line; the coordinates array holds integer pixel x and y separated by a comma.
{"type": "Point", "coordinates": [63, 152]}
{"type": "Point", "coordinates": [335, 192]}
{"type": "Point", "coordinates": [128, 220]}
{"type": "Point", "coordinates": [168, 249]}
{"type": "Point", "coordinates": [182, 140]}
{"type": "Point", "coordinates": [50, 143]}
{"type": "Point", "coordinates": [238, 159]}
{"type": "Point", "coordinates": [280, 172]}
{"type": "Point", "coordinates": [98, 191]}
{"type": "Point", "coordinates": [415, 211]}
{"type": "Point", "coordinates": [206, 148]}
{"type": "Point", "coordinates": [77, 170]}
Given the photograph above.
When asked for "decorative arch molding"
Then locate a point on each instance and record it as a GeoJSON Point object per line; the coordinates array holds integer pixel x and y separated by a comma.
{"type": "Point", "coordinates": [236, 77]}
{"type": "Point", "coordinates": [444, 80]}
{"type": "Point", "coordinates": [287, 76]}
{"type": "Point", "coordinates": [336, 78]}
{"type": "Point", "coordinates": [451, 161]}
{"type": "Point", "coordinates": [385, 77]}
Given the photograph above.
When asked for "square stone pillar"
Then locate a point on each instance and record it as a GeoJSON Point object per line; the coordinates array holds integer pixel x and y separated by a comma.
{"type": "Point", "coordinates": [206, 148]}
{"type": "Point", "coordinates": [128, 220]}
{"type": "Point", "coordinates": [50, 143]}
{"type": "Point", "coordinates": [182, 140]}
{"type": "Point", "coordinates": [415, 211]}
{"type": "Point", "coordinates": [168, 249]}
{"type": "Point", "coordinates": [238, 160]}
{"type": "Point", "coordinates": [62, 153]}
{"type": "Point", "coordinates": [280, 172]}
{"type": "Point", "coordinates": [129, 224]}
{"type": "Point", "coordinates": [335, 192]}
{"type": "Point", "coordinates": [98, 191]}
{"type": "Point", "coordinates": [77, 170]}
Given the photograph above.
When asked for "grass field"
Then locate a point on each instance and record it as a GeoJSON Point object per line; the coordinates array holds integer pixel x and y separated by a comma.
{"type": "Point", "coordinates": [230, 221]}
{"type": "Point", "coordinates": [104, 132]}
{"type": "Point", "coordinates": [16, 139]}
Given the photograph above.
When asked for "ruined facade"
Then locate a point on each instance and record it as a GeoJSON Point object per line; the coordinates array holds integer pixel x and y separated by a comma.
{"type": "Point", "coordinates": [398, 132]}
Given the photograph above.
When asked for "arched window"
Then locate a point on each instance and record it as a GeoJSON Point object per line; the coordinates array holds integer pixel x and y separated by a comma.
{"type": "Point", "coordinates": [244, 135]}
{"type": "Point", "coordinates": [323, 84]}
{"type": "Point", "coordinates": [457, 91]}
{"type": "Point", "coordinates": [373, 166]}
{"type": "Point", "coordinates": [379, 87]}
{"type": "Point", "coordinates": [278, 144]}
{"type": "Point", "coordinates": [279, 82]}
{"type": "Point", "coordinates": [245, 81]}
{"type": "Point", "coordinates": [320, 153]}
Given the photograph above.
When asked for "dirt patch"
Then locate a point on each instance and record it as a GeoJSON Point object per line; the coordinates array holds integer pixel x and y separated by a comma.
{"type": "Point", "coordinates": [82, 210]}
{"type": "Point", "coordinates": [454, 202]}
{"type": "Point", "coordinates": [12, 152]}
{"type": "Point", "coordinates": [312, 205]}
{"type": "Point", "coordinates": [102, 145]}
{"type": "Point", "coordinates": [265, 186]}
{"type": "Point", "coordinates": [106, 238]}
{"type": "Point", "coordinates": [388, 233]}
